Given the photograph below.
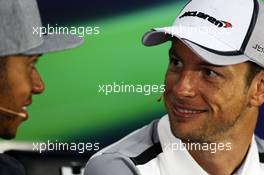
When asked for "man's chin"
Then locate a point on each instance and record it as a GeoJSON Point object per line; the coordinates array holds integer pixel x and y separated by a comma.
{"type": "Point", "coordinates": [8, 136]}
{"type": "Point", "coordinates": [8, 132]}
{"type": "Point", "coordinates": [187, 133]}
{"type": "Point", "coordinates": [180, 134]}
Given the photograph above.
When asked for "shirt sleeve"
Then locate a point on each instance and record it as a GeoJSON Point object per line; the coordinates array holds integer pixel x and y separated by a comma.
{"type": "Point", "coordinates": [109, 164]}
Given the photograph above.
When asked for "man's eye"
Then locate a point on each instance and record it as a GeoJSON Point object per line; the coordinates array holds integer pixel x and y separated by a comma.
{"type": "Point", "coordinates": [176, 62]}
{"type": "Point", "coordinates": [210, 73]}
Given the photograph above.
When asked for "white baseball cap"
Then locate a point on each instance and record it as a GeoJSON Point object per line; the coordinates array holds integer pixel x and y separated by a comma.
{"type": "Point", "coordinates": [222, 32]}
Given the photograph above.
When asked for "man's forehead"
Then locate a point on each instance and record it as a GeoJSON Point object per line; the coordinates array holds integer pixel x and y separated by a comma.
{"type": "Point", "coordinates": [180, 51]}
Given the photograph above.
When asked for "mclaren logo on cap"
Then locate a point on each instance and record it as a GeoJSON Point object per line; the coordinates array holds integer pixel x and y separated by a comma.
{"type": "Point", "coordinates": [209, 18]}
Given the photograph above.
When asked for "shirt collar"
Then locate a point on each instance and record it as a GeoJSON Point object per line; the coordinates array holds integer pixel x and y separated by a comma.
{"type": "Point", "coordinates": [177, 159]}
{"type": "Point", "coordinates": [251, 165]}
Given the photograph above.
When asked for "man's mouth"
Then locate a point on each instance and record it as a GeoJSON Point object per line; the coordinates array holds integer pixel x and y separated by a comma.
{"type": "Point", "coordinates": [188, 111]}
{"type": "Point", "coordinates": [23, 110]}
{"type": "Point", "coordinates": [28, 103]}
{"type": "Point", "coordinates": [22, 114]}
{"type": "Point", "coordinates": [183, 112]}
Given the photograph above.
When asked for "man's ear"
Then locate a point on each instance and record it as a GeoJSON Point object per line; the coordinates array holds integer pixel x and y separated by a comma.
{"type": "Point", "coordinates": [257, 86]}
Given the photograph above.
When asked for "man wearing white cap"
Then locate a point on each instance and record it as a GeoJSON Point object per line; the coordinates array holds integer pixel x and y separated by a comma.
{"type": "Point", "coordinates": [214, 87]}
{"type": "Point", "coordinates": [19, 78]}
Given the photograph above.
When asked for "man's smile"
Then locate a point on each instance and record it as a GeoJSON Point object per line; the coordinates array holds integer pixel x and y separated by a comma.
{"type": "Point", "coordinates": [23, 109]}
{"type": "Point", "coordinates": [182, 111]}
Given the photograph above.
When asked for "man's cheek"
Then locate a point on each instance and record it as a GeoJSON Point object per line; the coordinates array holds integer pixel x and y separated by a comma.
{"type": "Point", "coordinates": [169, 82]}
{"type": "Point", "coordinates": [23, 93]}
{"type": "Point", "coordinates": [226, 93]}
{"type": "Point", "coordinates": [216, 93]}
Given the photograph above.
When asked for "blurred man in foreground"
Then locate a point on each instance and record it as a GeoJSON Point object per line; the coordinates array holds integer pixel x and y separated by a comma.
{"type": "Point", "coordinates": [20, 49]}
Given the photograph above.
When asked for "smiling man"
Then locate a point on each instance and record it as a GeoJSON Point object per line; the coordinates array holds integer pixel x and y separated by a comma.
{"type": "Point", "coordinates": [19, 81]}
{"type": "Point", "coordinates": [19, 78]}
{"type": "Point", "coordinates": [214, 88]}
{"type": "Point", "coordinates": [20, 49]}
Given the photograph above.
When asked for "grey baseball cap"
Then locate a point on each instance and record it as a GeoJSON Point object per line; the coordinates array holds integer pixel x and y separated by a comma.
{"type": "Point", "coordinates": [220, 32]}
{"type": "Point", "coordinates": [18, 18]}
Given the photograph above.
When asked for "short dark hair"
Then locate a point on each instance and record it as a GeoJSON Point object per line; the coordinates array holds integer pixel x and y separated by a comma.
{"type": "Point", "coordinates": [254, 69]}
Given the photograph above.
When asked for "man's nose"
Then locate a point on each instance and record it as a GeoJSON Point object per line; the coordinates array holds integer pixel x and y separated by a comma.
{"type": "Point", "coordinates": [38, 85]}
{"type": "Point", "coordinates": [185, 85]}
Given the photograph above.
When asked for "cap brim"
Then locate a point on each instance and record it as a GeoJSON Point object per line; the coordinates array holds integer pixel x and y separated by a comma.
{"type": "Point", "coordinates": [205, 37]}
{"type": "Point", "coordinates": [215, 59]}
{"type": "Point", "coordinates": [156, 37]}
{"type": "Point", "coordinates": [55, 42]}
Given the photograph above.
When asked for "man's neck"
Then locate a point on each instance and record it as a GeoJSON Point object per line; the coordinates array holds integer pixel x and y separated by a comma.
{"type": "Point", "coordinates": [226, 162]}
{"type": "Point", "coordinates": [221, 162]}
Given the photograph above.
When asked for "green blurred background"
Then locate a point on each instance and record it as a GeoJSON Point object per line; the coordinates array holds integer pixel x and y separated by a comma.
{"type": "Point", "coordinates": [72, 109]}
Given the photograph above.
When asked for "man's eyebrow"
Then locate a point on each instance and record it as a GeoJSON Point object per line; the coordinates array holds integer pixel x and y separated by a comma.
{"type": "Point", "coordinates": [204, 63]}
